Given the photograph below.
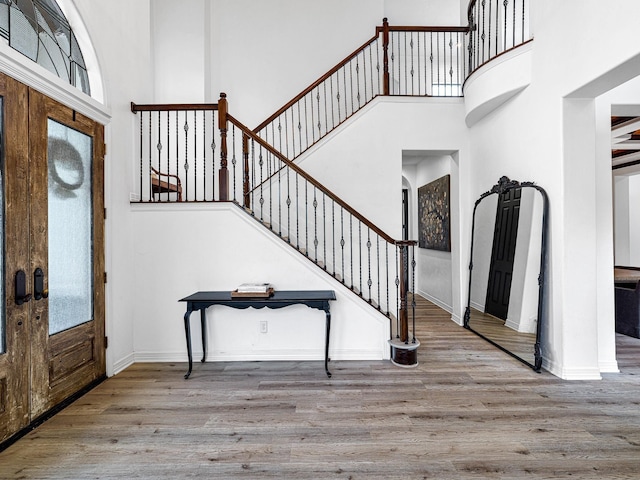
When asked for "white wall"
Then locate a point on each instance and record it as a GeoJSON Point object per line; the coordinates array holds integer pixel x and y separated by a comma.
{"type": "Point", "coordinates": [178, 253]}
{"type": "Point", "coordinates": [178, 33]}
{"type": "Point", "coordinates": [120, 32]}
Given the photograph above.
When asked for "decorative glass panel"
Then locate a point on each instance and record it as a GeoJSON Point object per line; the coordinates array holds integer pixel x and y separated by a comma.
{"type": "Point", "coordinates": [39, 30]}
{"type": "Point", "coordinates": [69, 155]}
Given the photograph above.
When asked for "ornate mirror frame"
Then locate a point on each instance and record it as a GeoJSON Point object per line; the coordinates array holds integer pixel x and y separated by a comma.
{"type": "Point", "coordinates": [505, 184]}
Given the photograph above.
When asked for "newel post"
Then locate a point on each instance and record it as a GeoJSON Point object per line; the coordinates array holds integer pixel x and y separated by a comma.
{"type": "Point", "coordinates": [404, 350]}
{"type": "Point", "coordinates": [385, 56]}
{"type": "Point", "coordinates": [403, 332]}
{"type": "Point", "coordinates": [245, 179]}
{"type": "Point", "coordinates": [223, 174]}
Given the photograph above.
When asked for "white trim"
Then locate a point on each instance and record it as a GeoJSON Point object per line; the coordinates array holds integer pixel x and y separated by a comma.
{"type": "Point", "coordinates": [290, 355]}
{"type": "Point", "coordinates": [571, 373]}
{"type": "Point", "coordinates": [123, 363]}
{"type": "Point", "coordinates": [436, 301]}
{"type": "Point", "coordinates": [70, 11]}
{"type": "Point", "coordinates": [23, 69]}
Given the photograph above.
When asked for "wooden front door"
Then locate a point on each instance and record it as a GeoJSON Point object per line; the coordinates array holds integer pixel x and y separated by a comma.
{"type": "Point", "coordinates": [53, 229]}
{"type": "Point", "coordinates": [503, 253]}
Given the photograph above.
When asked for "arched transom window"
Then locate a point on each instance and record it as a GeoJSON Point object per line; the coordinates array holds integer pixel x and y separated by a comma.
{"type": "Point", "coordinates": [39, 30]}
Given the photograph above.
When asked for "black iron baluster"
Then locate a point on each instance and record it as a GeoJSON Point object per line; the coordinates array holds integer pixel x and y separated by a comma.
{"type": "Point", "coordinates": [431, 60]}
{"type": "Point", "coordinates": [406, 77]}
{"type": "Point", "coordinates": [319, 121]}
{"type": "Point", "coordinates": [378, 65]}
{"type": "Point", "coordinates": [413, 292]}
{"type": "Point", "coordinates": [306, 122]}
{"type": "Point", "coordinates": [168, 145]}
{"type": "Point", "coordinates": [204, 155]}
{"type": "Point", "coordinates": [386, 250]}
{"type": "Point", "coordinates": [297, 213]}
{"type": "Point", "coordinates": [279, 175]}
{"type": "Point", "coordinates": [513, 32]}
{"type": "Point", "coordinates": [280, 132]}
{"type": "Point", "coordinates": [497, 26]}
{"type": "Point", "coordinates": [483, 35]}
{"type": "Point", "coordinates": [315, 225]}
{"type": "Point", "coordinates": [324, 230]}
{"type": "Point", "coordinates": [419, 70]}
{"type": "Point", "coordinates": [195, 155]}
{"type": "Point", "coordinates": [151, 160]}
{"type": "Point", "coordinates": [412, 71]}
{"type": "Point", "coordinates": [186, 155]}
{"type": "Point", "coordinates": [326, 115]}
{"type": "Point", "coordinates": [351, 246]}
{"type": "Point", "coordinates": [337, 97]}
{"type": "Point", "coordinates": [299, 129]}
{"type": "Point", "coordinates": [234, 161]}
{"type": "Point", "coordinates": [288, 205]}
{"type": "Point", "coordinates": [159, 148]}
{"type": "Point", "coordinates": [504, 33]}
{"type": "Point", "coordinates": [177, 144]}
{"type": "Point", "coordinates": [342, 241]}
{"type": "Point", "coordinates": [351, 83]}
{"type": "Point", "coordinates": [213, 155]}
{"type": "Point", "coordinates": [333, 116]}
{"type": "Point", "coordinates": [306, 218]}
{"type": "Point", "coordinates": [333, 236]}
{"type": "Point", "coordinates": [438, 58]}
{"type": "Point", "coordinates": [378, 265]}
{"type": "Point", "coordinates": [360, 254]}
{"type": "Point", "coordinates": [369, 281]}
{"type": "Point", "coordinates": [358, 79]}
{"type": "Point", "coordinates": [313, 121]}
{"type": "Point", "coordinates": [451, 63]}
{"type": "Point", "coordinates": [523, 14]}
{"type": "Point", "coordinates": [286, 135]}
{"type": "Point", "coordinates": [344, 75]}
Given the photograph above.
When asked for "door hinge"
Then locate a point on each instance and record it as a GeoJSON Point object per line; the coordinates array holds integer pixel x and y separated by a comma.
{"type": "Point", "coordinates": [105, 148]}
{"type": "Point", "coordinates": [105, 213]}
{"type": "Point", "coordinates": [105, 277]}
{"type": "Point", "coordinates": [106, 342]}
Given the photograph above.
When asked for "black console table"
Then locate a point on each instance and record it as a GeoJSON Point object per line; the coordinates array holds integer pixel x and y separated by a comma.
{"type": "Point", "coordinates": [318, 299]}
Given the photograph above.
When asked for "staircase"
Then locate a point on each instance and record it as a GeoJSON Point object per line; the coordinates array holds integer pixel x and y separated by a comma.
{"type": "Point", "coordinates": [257, 169]}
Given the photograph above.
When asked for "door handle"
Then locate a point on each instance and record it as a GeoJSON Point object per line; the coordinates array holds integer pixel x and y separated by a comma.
{"type": "Point", "coordinates": [21, 295]}
{"type": "Point", "coordinates": [39, 291]}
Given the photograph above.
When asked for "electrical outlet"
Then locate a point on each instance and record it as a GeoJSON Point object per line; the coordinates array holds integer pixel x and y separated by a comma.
{"type": "Point", "coordinates": [264, 326]}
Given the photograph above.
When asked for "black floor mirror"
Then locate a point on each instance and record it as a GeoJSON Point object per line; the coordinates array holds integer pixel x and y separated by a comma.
{"type": "Point", "coordinates": [506, 304]}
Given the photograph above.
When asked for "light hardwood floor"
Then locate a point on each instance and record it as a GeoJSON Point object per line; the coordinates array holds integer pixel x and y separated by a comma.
{"type": "Point", "coordinates": [468, 411]}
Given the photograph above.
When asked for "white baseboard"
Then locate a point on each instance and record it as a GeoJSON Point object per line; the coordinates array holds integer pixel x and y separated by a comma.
{"type": "Point", "coordinates": [436, 301]}
{"type": "Point", "coordinates": [571, 373]}
{"type": "Point", "coordinates": [123, 363]}
{"type": "Point", "coordinates": [266, 356]}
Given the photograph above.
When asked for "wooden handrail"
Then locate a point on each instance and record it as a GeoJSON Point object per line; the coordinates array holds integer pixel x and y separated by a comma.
{"type": "Point", "coordinates": [173, 107]}
{"type": "Point", "coordinates": [348, 58]}
{"type": "Point", "coordinates": [316, 83]}
{"type": "Point", "coordinates": [317, 184]}
{"type": "Point", "coordinates": [426, 29]}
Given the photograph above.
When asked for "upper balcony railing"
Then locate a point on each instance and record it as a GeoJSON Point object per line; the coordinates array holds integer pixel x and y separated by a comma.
{"type": "Point", "coordinates": [495, 26]}
{"type": "Point", "coordinates": [400, 61]}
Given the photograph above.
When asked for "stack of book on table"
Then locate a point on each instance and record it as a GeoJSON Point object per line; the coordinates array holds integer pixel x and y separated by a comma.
{"type": "Point", "coordinates": [259, 290]}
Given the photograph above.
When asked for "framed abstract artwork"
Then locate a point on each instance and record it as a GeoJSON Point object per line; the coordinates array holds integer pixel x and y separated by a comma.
{"type": "Point", "coordinates": [434, 221]}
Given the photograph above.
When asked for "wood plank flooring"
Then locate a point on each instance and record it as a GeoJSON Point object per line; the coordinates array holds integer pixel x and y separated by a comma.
{"type": "Point", "coordinates": [468, 411]}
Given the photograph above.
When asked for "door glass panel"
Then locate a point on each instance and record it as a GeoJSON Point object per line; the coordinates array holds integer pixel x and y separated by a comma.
{"type": "Point", "coordinates": [69, 154]}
